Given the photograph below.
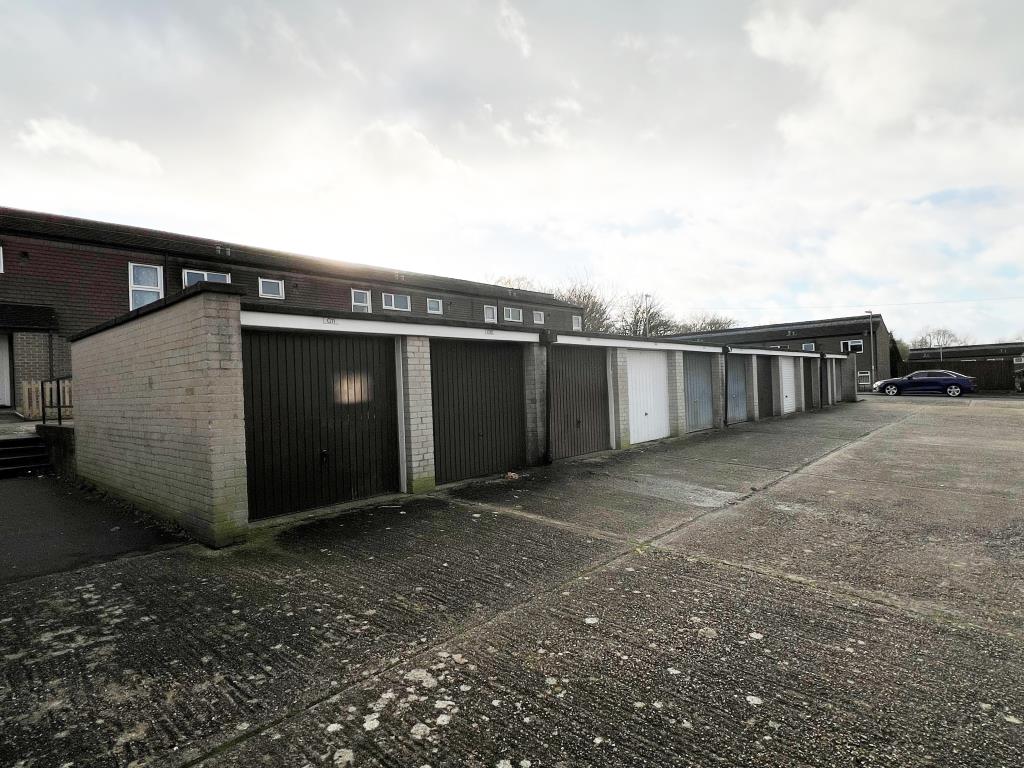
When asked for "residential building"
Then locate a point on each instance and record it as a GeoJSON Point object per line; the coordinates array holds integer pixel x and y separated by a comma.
{"type": "Point", "coordinates": [61, 275]}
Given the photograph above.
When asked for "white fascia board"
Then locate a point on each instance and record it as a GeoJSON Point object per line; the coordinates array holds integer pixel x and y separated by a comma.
{"type": "Point", "coordinates": [771, 352]}
{"type": "Point", "coordinates": [598, 341]}
{"type": "Point", "coordinates": [283, 321]}
{"type": "Point", "coordinates": [834, 356]}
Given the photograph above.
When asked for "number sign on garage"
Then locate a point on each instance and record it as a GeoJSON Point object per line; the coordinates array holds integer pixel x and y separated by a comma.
{"type": "Point", "coordinates": [321, 423]}
{"type": "Point", "coordinates": [479, 408]}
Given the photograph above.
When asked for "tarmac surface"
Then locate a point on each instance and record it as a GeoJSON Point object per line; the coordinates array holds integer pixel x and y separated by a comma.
{"type": "Point", "coordinates": [842, 588]}
{"type": "Point", "coordinates": [48, 525]}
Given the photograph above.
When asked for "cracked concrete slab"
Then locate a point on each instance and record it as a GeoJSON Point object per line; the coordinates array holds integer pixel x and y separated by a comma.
{"type": "Point", "coordinates": [638, 609]}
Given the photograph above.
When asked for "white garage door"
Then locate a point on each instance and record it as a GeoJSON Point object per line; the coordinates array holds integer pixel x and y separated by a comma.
{"type": "Point", "coordinates": [788, 384]}
{"type": "Point", "coordinates": [648, 396]}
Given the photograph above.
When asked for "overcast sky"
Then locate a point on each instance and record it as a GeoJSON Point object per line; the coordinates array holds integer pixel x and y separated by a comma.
{"type": "Point", "coordinates": [775, 160]}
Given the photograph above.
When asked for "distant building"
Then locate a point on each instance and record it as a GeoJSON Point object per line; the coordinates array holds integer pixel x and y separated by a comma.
{"type": "Point", "coordinates": [996, 367]}
{"type": "Point", "coordinates": [970, 352]}
{"type": "Point", "coordinates": [840, 335]}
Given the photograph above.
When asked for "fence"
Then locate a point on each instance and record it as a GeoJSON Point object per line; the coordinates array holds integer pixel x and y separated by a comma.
{"type": "Point", "coordinates": [992, 375]}
{"type": "Point", "coordinates": [50, 399]}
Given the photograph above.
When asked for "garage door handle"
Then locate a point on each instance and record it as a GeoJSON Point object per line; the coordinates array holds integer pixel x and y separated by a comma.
{"type": "Point", "coordinates": [323, 454]}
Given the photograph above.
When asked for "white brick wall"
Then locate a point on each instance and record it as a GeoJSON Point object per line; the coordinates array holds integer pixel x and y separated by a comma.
{"type": "Point", "coordinates": [419, 414]}
{"type": "Point", "coordinates": [619, 362]}
{"type": "Point", "coordinates": [159, 418]}
{"type": "Point", "coordinates": [750, 371]}
{"type": "Point", "coordinates": [718, 389]}
{"type": "Point", "coordinates": [676, 394]}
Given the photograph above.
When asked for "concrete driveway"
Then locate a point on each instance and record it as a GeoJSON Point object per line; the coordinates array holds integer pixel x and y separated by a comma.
{"type": "Point", "coordinates": [834, 589]}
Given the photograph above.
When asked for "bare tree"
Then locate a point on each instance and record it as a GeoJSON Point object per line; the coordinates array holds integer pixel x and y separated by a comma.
{"type": "Point", "coordinates": [595, 305]}
{"type": "Point", "coordinates": [699, 322]}
{"type": "Point", "coordinates": [517, 282]}
{"type": "Point", "coordinates": [939, 337]}
{"type": "Point", "coordinates": [643, 315]}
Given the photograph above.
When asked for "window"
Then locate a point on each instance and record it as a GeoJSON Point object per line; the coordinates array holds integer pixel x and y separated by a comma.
{"type": "Point", "coordinates": [864, 377]}
{"type": "Point", "coordinates": [807, 346]}
{"type": "Point", "coordinates": [1016, 360]}
{"type": "Point", "coordinates": [361, 300]}
{"type": "Point", "coordinates": [435, 307]}
{"type": "Point", "coordinates": [538, 318]}
{"type": "Point", "coordinates": [852, 345]}
{"type": "Point", "coordinates": [490, 313]}
{"type": "Point", "coordinates": [271, 289]}
{"type": "Point", "coordinates": [397, 301]}
{"type": "Point", "coordinates": [577, 322]}
{"type": "Point", "coordinates": [513, 315]}
{"type": "Point", "coordinates": [193, 276]}
{"type": "Point", "coordinates": [145, 284]}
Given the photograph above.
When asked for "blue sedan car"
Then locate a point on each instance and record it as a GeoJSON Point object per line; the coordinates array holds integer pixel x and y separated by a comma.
{"type": "Point", "coordinates": [927, 382]}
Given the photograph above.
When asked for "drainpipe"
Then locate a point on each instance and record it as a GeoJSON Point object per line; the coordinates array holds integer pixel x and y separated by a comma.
{"type": "Point", "coordinates": [548, 338]}
{"type": "Point", "coordinates": [725, 386]}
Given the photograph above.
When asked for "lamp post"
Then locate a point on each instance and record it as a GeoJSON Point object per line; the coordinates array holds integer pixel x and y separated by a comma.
{"type": "Point", "coordinates": [871, 331]}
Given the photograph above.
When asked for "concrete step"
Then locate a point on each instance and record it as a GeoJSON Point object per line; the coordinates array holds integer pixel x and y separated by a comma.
{"type": "Point", "coordinates": [22, 456]}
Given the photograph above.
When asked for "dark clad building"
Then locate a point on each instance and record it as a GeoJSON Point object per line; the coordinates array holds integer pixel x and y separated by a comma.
{"type": "Point", "coordinates": [61, 275]}
{"type": "Point", "coordinates": [839, 335]}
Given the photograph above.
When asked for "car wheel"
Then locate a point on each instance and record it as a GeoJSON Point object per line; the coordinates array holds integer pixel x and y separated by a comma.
{"type": "Point", "coordinates": [953, 390]}
{"type": "Point", "coordinates": [891, 390]}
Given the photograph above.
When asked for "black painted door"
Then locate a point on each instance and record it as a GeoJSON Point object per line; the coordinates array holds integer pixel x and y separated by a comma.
{"type": "Point", "coordinates": [579, 400]}
{"type": "Point", "coordinates": [321, 424]}
{"type": "Point", "coordinates": [479, 408]}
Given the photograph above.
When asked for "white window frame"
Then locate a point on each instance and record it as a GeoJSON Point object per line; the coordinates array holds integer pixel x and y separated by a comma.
{"type": "Point", "coordinates": [367, 305]}
{"type": "Point", "coordinates": [133, 287]}
{"type": "Point", "coordinates": [844, 346]}
{"type": "Point", "coordinates": [807, 346]}
{"type": "Point", "coordinates": [387, 301]}
{"type": "Point", "coordinates": [1016, 361]}
{"type": "Point", "coordinates": [577, 322]}
{"type": "Point", "coordinates": [440, 306]}
{"type": "Point", "coordinates": [864, 377]}
{"type": "Point", "coordinates": [509, 312]}
{"type": "Point", "coordinates": [204, 272]}
{"type": "Point", "coordinates": [538, 317]}
{"type": "Point", "coordinates": [493, 313]}
{"type": "Point", "coordinates": [280, 284]}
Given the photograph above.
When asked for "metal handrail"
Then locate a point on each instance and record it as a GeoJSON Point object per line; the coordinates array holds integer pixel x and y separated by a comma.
{"type": "Point", "coordinates": [61, 405]}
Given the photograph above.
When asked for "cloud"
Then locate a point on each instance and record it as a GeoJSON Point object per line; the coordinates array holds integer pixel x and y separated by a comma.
{"type": "Point", "coordinates": [512, 27]}
{"type": "Point", "coordinates": [58, 136]}
{"type": "Point", "coordinates": [779, 159]}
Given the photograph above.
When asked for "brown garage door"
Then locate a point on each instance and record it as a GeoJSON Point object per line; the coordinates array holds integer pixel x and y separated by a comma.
{"type": "Point", "coordinates": [579, 400]}
{"type": "Point", "coordinates": [479, 408]}
{"type": "Point", "coordinates": [321, 423]}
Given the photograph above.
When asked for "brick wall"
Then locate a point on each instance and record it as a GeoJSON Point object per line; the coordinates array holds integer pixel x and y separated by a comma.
{"type": "Point", "coordinates": [535, 390]}
{"type": "Point", "coordinates": [418, 414]}
{"type": "Point", "coordinates": [718, 390]}
{"type": "Point", "coordinates": [159, 414]}
{"type": "Point", "coordinates": [619, 361]}
{"type": "Point", "coordinates": [31, 353]}
{"type": "Point", "coordinates": [750, 371]}
{"type": "Point", "coordinates": [676, 394]}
